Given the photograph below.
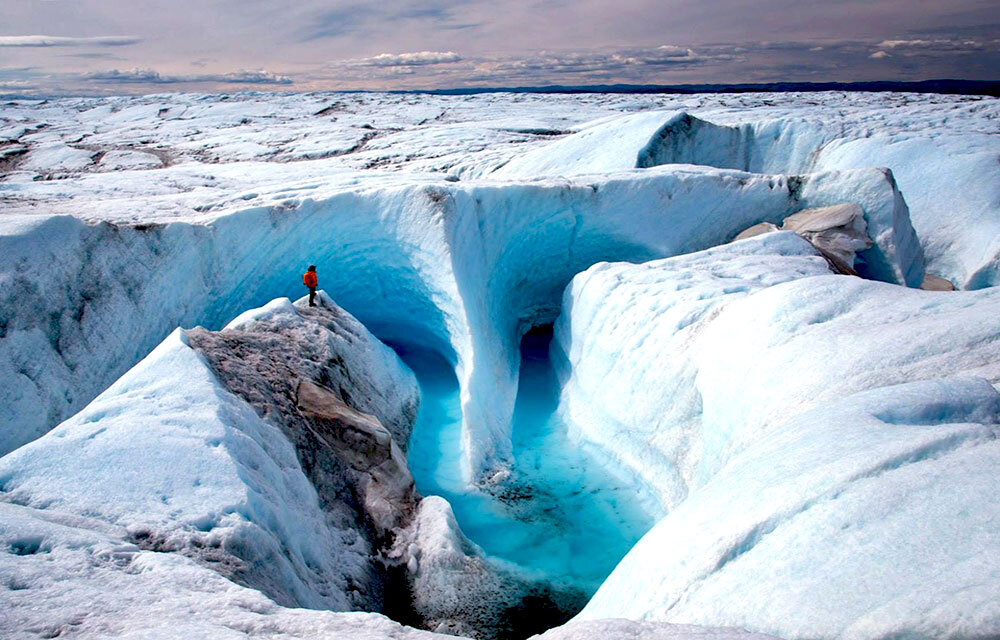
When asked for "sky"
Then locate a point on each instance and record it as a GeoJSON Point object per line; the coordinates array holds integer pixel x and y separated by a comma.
{"type": "Point", "coordinates": [93, 47]}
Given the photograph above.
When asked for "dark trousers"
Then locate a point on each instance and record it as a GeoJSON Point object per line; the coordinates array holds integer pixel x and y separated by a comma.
{"type": "Point", "coordinates": [312, 296]}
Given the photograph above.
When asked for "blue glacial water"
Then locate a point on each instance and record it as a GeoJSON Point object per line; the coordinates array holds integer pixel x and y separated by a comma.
{"type": "Point", "coordinates": [562, 516]}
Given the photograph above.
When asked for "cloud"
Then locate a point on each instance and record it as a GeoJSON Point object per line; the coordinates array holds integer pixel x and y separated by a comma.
{"type": "Point", "coordinates": [630, 60]}
{"type": "Point", "coordinates": [937, 46]}
{"type": "Point", "coordinates": [415, 59]}
{"type": "Point", "coordinates": [149, 76]}
{"type": "Point", "coordinates": [672, 55]}
{"type": "Point", "coordinates": [878, 55]}
{"type": "Point", "coordinates": [62, 41]}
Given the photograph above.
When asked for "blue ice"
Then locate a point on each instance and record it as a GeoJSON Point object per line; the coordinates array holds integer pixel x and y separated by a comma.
{"type": "Point", "coordinates": [562, 516]}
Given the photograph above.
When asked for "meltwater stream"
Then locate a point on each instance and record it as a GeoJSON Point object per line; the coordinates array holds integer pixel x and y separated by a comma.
{"type": "Point", "coordinates": [563, 518]}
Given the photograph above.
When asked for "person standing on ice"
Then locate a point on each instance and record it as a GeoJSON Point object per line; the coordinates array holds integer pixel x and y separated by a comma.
{"type": "Point", "coordinates": [309, 279]}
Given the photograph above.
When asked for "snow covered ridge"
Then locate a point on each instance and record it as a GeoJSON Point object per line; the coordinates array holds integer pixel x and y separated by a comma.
{"type": "Point", "coordinates": [462, 268]}
{"type": "Point", "coordinates": [813, 439]}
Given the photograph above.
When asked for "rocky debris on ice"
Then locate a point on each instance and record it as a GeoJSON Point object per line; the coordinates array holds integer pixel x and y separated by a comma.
{"type": "Point", "coordinates": [280, 344]}
{"type": "Point", "coordinates": [199, 451]}
{"type": "Point", "coordinates": [303, 369]}
{"type": "Point", "coordinates": [383, 485]}
{"type": "Point", "coordinates": [838, 232]}
{"type": "Point", "coordinates": [457, 590]}
{"type": "Point", "coordinates": [936, 283]}
{"type": "Point", "coordinates": [756, 230]}
{"type": "Point", "coordinates": [861, 467]}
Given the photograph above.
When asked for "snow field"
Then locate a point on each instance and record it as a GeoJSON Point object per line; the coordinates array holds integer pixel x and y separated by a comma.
{"type": "Point", "coordinates": [819, 450]}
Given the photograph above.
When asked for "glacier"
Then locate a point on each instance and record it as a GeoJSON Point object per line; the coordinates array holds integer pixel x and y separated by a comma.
{"type": "Point", "coordinates": [426, 246]}
{"type": "Point", "coordinates": [588, 357]}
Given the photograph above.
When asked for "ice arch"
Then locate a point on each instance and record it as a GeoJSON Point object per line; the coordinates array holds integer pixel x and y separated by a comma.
{"type": "Point", "coordinates": [463, 268]}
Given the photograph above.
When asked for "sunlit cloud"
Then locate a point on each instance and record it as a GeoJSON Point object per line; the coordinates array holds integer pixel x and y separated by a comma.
{"type": "Point", "coordinates": [149, 76]}
{"type": "Point", "coordinates": [419, 58]}
{"type": "Point", "coordinates": [61, 41]}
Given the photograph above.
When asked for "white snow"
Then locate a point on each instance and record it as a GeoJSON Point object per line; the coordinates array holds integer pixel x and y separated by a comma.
{"type": "Point", "coordinates": [166, 455]}
{"type": "Point", "coordinates": [956, 218]}
{"type": "Point", "coordinates": [124, 159]}
{"type": "Point", "coordinates": [804, 436]}
{"type": "Point", "coordinates": [56, 157]}
{"type": "Point", "coordinates": [73, 576]}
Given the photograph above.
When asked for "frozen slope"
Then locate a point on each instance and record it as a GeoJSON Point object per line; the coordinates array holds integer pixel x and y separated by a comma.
{"type": "Point", "coordinates": [463, 268]}
{"type": "Point", "coordinates": [956, 218]}
{"type": "Point", "coordinates": [822, 471]}
{"type": "Point", "coordinates": [871, 516]}
{"type": "Point", "coordinates": [72, 576]}
{"type": "Point", "coordinates": [172, 460]}
{"type": "Point", "coordinates": [696, 354]}
{"type": "Point", "coordinates": [629, 383]}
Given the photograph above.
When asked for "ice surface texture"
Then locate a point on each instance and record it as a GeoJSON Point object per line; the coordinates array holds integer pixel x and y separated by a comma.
{"type": "Point", "coordinates": [805, 436]}
{"type": "Point", "coordinates": [822, 449]}
{"type": "Point", "coordinates": [268, 453]}
{"type": "Point", "coordinates": [956, 218]}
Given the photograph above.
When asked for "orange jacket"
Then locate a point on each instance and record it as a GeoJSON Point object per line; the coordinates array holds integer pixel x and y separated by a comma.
{"type": "Point", "coordinates": [309, 278]}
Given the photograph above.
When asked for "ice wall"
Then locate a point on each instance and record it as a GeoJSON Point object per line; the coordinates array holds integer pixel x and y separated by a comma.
{"type": "Point", "coordinates": [463, 268]}
{"type": "Point", "coordinates": [809, 437]}
{"type": "Point", "coordinates": [956, 218]}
